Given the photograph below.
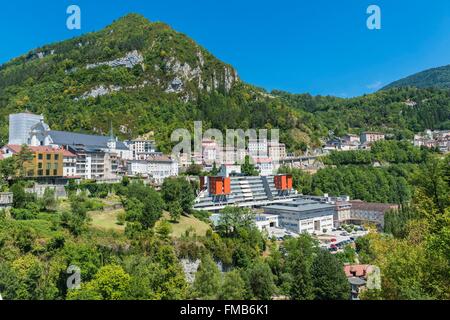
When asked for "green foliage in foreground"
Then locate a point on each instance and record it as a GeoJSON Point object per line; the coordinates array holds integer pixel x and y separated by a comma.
{"type": "Point", "coordinates": [145, 262]}
{"type": "Point", "coordinates": [415, 262]}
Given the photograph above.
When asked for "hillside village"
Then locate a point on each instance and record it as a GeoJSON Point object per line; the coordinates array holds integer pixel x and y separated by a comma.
{"type": "Point", "coordinates": [58, 159]}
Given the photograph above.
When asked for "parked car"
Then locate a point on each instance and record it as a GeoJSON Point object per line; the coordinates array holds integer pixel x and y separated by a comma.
{"type": "Point", "coordinates": [333, 240]}
{"type": "Point", "coordinates": [344, 234]}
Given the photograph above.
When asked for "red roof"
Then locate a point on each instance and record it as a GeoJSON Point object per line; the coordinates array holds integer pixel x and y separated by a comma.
{"type": "Point", "coordinates": [16, 149]}
{"type": "Point", "coordinates": [67, 153]}
{"type": "Point", "coordinates": [372, 206]}
{"type": "Point", "coordinates": [357, 270]}
{"type": "Point", "coordinates": [262, 160]}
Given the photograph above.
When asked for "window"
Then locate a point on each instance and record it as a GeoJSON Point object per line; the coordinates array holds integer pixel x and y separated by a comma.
{"type": "Point", "coordinates": [40, 172]}
{"type": "Point", "coordinates": [47, 172]}
{"type": "Point", "coordinates": [55, 165]}
{"type": "Point", "coordinates": [49, 156]}
{"type": "Point", "coordinates": [40, 156]}
{"type": "Point", "coordinates": [56, 157]}
{"type": "Point", "coordinates": [49, 166]}
{"type": "Point", "coordinates": [55, 172]}
{"type": "Point", "coordinates": [40, 165]}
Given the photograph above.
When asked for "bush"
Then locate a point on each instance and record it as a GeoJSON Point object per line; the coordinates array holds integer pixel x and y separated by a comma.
{"type": "Point", "coordinates": [201, 215]}
{"type": "Point", "coordinates": [94, 205]}
{"type": "Point", "coordinates": [24, 214]}
{"type": "Point", "coordinates": [121, 218]}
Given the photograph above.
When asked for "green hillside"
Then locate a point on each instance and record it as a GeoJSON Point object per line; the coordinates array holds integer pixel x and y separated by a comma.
{"type": "Point", "coordinates": [431, 78]}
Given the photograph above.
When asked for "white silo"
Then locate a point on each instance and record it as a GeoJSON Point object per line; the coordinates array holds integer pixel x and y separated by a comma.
{"type": "Point", "coordinates": [20, 125]}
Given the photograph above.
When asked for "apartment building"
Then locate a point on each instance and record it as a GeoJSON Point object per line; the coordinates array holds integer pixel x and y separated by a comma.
{"type": "Point", "coordinates": [370, 137]}
{"type": "Point", "coordinates": [94, 163]}
{"type": "Point", "coordinates": [265, 166]}
{"type": "Point", "coordinates": [156, 168]}
{"type": "Point", "coordinates": [276, 150]}
{"type": "Point", "coordinates": [369, 212]}
{"type": "Point", "coordinates": [140, 148]}
{"type": "Point", "coordinates": [45, 162]}
{"type": "Point", "coordinates": [258, 148]}
{"type": "Point", "coordinates": [69, 164]}
{"type": "Point", "coordinates": [434, 139]}
{"type": "Point", "coordinates": [351, 139]}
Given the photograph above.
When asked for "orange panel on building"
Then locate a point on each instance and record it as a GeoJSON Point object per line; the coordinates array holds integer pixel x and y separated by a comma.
{"type": "Point", "coordinates": [290, 182]}
{"type": "Point", "coordinates": [283, 182]}
{"type": "Point", "coordinates": [219, 186]}
{"type": "Point", "coordinates": [226, 185]}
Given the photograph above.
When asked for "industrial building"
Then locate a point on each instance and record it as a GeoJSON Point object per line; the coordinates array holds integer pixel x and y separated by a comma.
{"type": "Point", "coordinates": [266, 222]}
{"type": "Point", "coordinates": [303, 216]}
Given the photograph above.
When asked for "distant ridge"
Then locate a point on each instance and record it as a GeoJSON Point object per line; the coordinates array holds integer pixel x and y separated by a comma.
{"type": "Point", "coordinates": [432, 78]}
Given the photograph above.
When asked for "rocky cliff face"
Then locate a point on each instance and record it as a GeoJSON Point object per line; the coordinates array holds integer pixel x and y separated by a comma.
{"type": "Point", "coordinates": [130, 54]}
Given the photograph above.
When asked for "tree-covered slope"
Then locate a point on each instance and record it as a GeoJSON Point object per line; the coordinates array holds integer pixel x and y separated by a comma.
{"type": "Point", "coordinates": [399, 111]}
{"type": "Point", "coordinates": [431, 78]}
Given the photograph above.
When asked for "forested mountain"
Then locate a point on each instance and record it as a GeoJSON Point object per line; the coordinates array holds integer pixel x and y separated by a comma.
{"type": "Point", "coordinates": [431, 78]}
{"type": "Point", "coordinates": [399, 111]}
{"type": "Point", "coordinates": [146, 77]}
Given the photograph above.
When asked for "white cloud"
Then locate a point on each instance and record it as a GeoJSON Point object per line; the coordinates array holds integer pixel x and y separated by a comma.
{"type": "Point", "coordinates": [374, 86]}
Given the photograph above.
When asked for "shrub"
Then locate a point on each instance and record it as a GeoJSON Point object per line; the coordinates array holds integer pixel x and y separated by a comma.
{"type": "Point", "coordinates": [23, 214]}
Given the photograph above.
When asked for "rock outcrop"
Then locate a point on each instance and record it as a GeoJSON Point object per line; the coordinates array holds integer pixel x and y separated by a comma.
{"type": "Point", "coordinates": [130, 60]}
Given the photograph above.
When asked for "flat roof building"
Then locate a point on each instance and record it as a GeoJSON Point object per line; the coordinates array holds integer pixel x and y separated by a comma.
{"type": "Point", "coordinates": [303, 216]}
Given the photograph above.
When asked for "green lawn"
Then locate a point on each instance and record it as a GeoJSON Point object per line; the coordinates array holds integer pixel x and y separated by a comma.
{"type": "Point", "coordinates": [106, 220]}
{"type": "Point", "coordinates": [185, 223]}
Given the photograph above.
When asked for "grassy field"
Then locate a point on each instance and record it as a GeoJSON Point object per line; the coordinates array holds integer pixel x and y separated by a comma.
{"type": "Point", "coordinates": [185, 223]}
{"type": "Point", "coordinates": [106, 219]}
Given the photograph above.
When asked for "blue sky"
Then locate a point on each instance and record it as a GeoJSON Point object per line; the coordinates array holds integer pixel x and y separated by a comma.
{"type": "Point", "coordinates": [320, 47]}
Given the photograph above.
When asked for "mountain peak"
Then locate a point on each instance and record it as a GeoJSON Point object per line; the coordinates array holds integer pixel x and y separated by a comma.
{"type": "Point", "coordinates": [134, 19]}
